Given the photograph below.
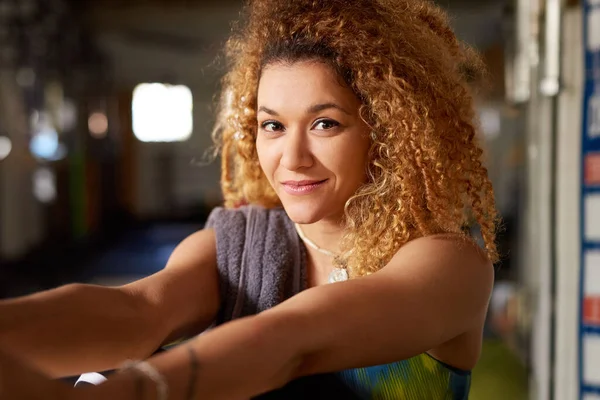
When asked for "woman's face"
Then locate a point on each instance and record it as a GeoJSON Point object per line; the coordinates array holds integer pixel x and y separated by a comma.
{"type": "Point", "coordinates": [312, 144]}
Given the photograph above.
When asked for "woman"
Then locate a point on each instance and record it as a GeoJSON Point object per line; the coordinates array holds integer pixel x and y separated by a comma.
{"type": "Point", "coordinates": [347, 127]}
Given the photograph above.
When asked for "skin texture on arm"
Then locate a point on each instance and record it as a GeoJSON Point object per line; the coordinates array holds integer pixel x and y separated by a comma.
{"type": "Point", "coordinates": [74, 329]}
{"type": "Point", "coordinates": [80, 328]}
{"type": "Point", "coordinates": [434, 290]}
{"type": "Point", "coordinates": [185, 295]}
{"type": "Point", "coordinates": [18, 380]}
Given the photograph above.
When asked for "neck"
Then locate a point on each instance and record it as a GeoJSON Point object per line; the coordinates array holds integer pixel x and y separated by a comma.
{"type": "Point", "coordinates": [325, 234]}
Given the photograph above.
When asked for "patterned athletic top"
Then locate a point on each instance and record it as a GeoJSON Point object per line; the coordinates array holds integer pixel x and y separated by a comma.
{"type": "Point", "coordinates": [420, 377]}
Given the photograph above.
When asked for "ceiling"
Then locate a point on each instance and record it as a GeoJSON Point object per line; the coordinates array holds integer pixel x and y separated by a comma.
{"type": "Point", "coordinates": [137, 33]}
{"type": "Point", "coordinates": [187, 23]}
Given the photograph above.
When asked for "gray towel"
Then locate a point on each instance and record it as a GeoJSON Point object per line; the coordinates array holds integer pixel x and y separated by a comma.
{"type": "Point", "coordinates": [260, 258]}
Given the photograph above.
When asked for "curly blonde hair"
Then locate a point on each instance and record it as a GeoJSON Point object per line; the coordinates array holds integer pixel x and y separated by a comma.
{"type": "Point", "coordinates": [411, 73]}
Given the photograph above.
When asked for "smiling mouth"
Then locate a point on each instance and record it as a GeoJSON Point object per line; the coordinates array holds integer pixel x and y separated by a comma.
{"type": "Point", "coordinates": [302, 187]}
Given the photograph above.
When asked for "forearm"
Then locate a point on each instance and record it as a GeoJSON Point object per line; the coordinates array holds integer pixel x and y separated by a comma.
{"type": "Point", "coordinates": [75, 328]}
{"type": "Point", "coordinates": [236, 361]}
{"type": "Point", "coordinates": [19, 381]}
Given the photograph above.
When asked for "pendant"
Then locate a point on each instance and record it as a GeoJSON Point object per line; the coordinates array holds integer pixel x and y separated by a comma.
{"type": "Point", "coordinates": [338, 275]}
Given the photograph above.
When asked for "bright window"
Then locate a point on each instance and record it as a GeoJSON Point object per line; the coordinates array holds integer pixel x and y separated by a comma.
{"type": "Point", "coordinates": [162, 113]}
{"type": "Point", "coordinates": [5, 147]}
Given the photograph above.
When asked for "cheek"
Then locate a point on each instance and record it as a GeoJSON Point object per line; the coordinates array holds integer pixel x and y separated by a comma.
{"type": "Point", "coordinates": [348, 162]}
{"type": "Point", "coordinates": [357, 153]}
{"type": "Point", "coordinates": [265, 159]}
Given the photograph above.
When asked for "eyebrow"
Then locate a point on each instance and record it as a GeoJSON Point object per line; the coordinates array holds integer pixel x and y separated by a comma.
{"type": "Point", "coordinates": [325, 106]}
{"type": "Point", "coordinates": [311, 110]}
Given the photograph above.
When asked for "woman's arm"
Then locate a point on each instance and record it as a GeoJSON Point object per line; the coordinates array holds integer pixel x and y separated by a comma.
{"type": "Point", "coordinates": [434, 290]}
{"type": "Point", "coordinates": [19, 380]}
{"type": "Point", "coordinates": [80, 328]}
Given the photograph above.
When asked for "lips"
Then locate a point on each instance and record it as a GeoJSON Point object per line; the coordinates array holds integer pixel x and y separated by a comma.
{"type": "Point", "coordinates": [302, 183]}
{"type": "Point", "coordinates": [302, 187]}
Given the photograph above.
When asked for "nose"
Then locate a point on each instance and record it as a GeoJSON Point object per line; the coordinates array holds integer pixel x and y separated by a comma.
{"type": "Point", "coordinates": [296, 152]}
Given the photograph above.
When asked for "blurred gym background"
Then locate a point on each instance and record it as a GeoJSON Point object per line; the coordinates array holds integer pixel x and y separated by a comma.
{"type": "Point", "coordinates": [106, 109]}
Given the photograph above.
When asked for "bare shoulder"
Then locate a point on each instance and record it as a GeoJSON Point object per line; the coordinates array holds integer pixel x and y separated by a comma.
{"type": "Point", "coordinates": [453, 262]}
{"type": "Point", "coordinates": [445, 245]}
{"type": "Point", "coordinates": [184, 297]}
{"type": "Point", "coordinates": [455, 275]}
{"type": "Point", "coordinates": [200, 247]}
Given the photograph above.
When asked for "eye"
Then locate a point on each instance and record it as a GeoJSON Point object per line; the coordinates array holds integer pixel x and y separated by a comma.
{"type": "Point", "coordinates": [271, 126]}
{"type": "Point", "coordinates": [325, 124]}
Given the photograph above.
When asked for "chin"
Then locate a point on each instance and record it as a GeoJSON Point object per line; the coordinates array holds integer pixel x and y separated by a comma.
{"type": "Point", "coordinates": [303, 212]}
{"type": "Point", "coordinates": [307, 211]}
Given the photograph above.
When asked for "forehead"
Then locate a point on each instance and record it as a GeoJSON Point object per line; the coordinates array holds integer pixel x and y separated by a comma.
{"type": "Point", "coordinates": [302, 83]}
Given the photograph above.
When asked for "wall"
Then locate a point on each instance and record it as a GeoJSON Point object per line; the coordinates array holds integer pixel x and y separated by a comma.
{"type": "Point", "coordinates": [21, 217]}
{"type": "Point", "coordinates": [177, 45]}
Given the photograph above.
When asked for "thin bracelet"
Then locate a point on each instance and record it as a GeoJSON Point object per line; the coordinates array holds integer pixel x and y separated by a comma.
{"type": "Point", "coordinates": [146, 369]}
{"type": "Point", "coordinates": [191, 393]}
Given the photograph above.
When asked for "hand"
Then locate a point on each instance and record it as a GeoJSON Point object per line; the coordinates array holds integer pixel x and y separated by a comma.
{"type": "Point", "coordinates": [20, 381]}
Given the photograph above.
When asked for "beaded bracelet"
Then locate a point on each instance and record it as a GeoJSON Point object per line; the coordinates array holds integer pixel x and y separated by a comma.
{"type": "Point", "coordinates": [147, 370]}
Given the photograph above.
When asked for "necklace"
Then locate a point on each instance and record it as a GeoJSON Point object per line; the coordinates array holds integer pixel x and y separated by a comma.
{"type": "Point", "coordinates": [337, 274]}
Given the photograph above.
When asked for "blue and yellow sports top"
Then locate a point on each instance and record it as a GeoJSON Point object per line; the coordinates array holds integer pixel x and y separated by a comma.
{"type": "Point", "coordinates": [418, 378]}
